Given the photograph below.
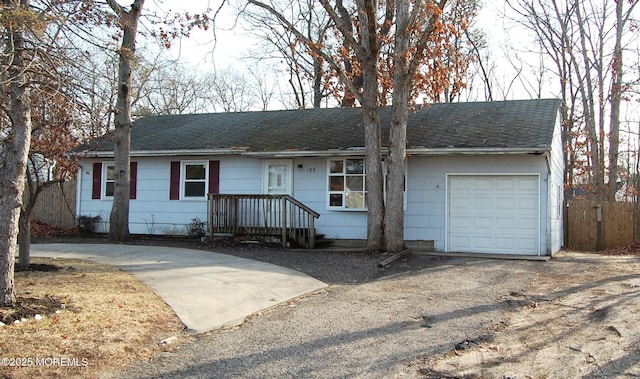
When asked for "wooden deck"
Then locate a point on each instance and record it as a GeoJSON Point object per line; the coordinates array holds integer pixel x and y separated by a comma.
{"type": "Point", "coordinates": [262, 215]}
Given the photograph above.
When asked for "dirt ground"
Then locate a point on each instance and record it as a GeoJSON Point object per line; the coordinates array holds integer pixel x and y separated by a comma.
{"type": "Point", "coordinates": [577, 318]}
{"type": "Point", "coordinates": [574, 316]}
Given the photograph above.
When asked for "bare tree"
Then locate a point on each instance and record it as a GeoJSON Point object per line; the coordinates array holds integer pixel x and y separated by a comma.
{"type": "Point", "coordinates": [586, 46]}
{"type": "Point", "coordinates": [15, 131]}
{"type": "Point", "coordinates": [306, 70]}
{"type": "Point", "coordinates": [169, 87]}
{"type": "Point", "coordinates": [380, 48]}
{"type": "Point", "coordinates": [230, 92]}
{"type": "Point", "coordinates": [119, 217]}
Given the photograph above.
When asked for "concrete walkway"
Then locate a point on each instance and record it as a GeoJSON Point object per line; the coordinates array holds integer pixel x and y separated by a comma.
{"type": "Point", "coordinates": [206, 290]}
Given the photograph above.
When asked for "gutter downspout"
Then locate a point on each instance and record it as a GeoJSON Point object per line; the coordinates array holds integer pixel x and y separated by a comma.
{"type": "Point", "coordinates": [547, 159]}
{"type": "Point", "coordinates": [78, 192]}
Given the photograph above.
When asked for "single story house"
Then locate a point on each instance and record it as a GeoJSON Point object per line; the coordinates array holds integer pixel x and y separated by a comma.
{"type": "Point", "coordinates": [482, 177]}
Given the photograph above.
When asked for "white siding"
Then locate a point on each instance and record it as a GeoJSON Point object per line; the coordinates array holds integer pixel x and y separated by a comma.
{"type": "Point", "coordinates": [310, 187]}
{"type": "Point", "coordinates": [556, 192]}
{"type": "Point", "coordinates": [493, 214]}
{"type": "Point", "coordinates": [152, 212]}
{"type": "Point", "coordinates": [425, 218]}
{"type": "Point", "coordinates": [426, 193]}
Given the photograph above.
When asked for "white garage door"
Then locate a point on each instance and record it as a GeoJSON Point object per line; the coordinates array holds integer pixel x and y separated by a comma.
{"type": "Point", "coordinates": [493, 214]}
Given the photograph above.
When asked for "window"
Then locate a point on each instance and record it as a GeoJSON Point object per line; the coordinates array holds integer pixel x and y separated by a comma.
{"type": "Point", "coordinates": [347, 188]}
{"type": "Point", "coordinates": [110, 180]}
{"type": "Point", "coordinates": [195, 179]}
{"type": "Point", "coordinates": [347, 183]}
{"type": "Point", "coordinates": [105, 189]}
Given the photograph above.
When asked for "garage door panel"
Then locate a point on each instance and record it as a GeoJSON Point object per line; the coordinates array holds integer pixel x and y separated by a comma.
{"type": "Point", "coordinates": [528, 224]}
{"type": "Point", "coordinates": [459, 202]}
{"type": "Point", "coordinates": [483, 223]}
{"type": "Point", "coordinates": [482, 184]}
{"type": "Point", "coordinates": [462, 223]}
{"type": "Point", "coordinates": [506, 204]}
{"type": "Point", "coordinates": [482, 202]}
{"type": "Point", "coordinates": [464, 184]}
{"type": "Point", "coordinates": [505, 223]}
{"type": "Point", "coordinates": [493, 214]}
{"type": "Point", "coordinates": [528, 203]}
{"type": "Point", "coordinates": [528, 184]}
{"type": "Point", "coordinates": [505, 185]}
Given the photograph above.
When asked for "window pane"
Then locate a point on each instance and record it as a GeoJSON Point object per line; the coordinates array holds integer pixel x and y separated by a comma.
{"type": "Point", "coordinates": [194, 171]}
{"type": "Point", "coordinates": [355, 183]}
{"type": "Point", "coordinates": [336, 183]}
{"type": "Point", "coordinates": [194, 189]}
{"type": "Point", "coordinates": [335, 200]}
{"type": "Point", "coordinates": [109, 188]}
{"type": "Point", "coordinates": [355, 166]}
{"type": "Point", "coordinates": [111, 173]}
{"type": "Point", "coordinates": [336, 167]}
{"type": "Point", "coordinates": [355, 200]}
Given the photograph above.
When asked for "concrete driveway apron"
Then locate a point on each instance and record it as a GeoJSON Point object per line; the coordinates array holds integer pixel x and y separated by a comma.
{"type": "Point", "coordinates": [206, 290]}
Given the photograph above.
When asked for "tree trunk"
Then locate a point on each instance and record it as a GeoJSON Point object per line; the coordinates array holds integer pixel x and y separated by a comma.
{"type": "Point", "coordinates": [119, 217]}
{"type": "Point", "coordinates": [14, 159]}
{"type": "Point", "coordinates": [616, 98]}
{"type": "Point", "coordinates": [394, 212]}
{"type": "Point", "coordinates": [587, 95]}
{"type": "Point", "coordinates": [372, 134]}
{"type": "Point", "coordinates": [24, 240]}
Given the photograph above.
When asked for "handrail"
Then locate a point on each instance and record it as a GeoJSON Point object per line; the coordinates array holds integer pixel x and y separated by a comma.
{"type": "Point", "coordinates": [304, 207]}
{"type": "Point", "coordinates": [262, 214]}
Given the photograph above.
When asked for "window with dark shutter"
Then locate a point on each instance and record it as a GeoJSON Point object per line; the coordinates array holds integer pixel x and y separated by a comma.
{"type": "Point", "coordinates": [133, 180]}
{"type": "Point", "coordinates": [214, 176]}
{"type": "Point", "coordinates": [97, 181]}
{"type": "Point", "coordinates": [174, 182]}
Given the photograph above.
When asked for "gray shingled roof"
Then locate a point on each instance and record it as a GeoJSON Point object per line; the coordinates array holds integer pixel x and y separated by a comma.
{"type": "Point", "coordinates": [516, 124]}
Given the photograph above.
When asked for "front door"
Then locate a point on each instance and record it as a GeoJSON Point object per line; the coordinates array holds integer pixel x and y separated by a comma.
{"type": "Point", "coordinates": [278, 180]}
{"type": "Point", "coordinates": [278, 177]}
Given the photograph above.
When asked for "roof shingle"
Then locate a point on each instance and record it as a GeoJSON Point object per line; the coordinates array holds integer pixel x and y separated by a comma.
{"type": "Point", "coordinates": [515, 124]}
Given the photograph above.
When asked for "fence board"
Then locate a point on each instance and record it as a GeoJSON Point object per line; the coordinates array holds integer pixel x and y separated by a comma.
{"type": "Point", "coordinates": [596, 225]}
{"type": "Point", "coordinates": [56, 205]}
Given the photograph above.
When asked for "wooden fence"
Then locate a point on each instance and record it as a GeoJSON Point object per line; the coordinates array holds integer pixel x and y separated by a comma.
{"type": "Point", "coordinates": [56, 205]}
{"type": "Point", "coordinates": [593, 225]}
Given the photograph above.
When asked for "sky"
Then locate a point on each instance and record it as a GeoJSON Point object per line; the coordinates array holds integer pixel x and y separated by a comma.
{"type": "Point", "coordinates": [502, 33]}
{"type": "Point", "coordinates": [232, 44]}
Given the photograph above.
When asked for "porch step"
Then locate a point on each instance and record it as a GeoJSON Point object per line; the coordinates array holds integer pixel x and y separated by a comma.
{"type": "Point", "coordinates": [321, 242]}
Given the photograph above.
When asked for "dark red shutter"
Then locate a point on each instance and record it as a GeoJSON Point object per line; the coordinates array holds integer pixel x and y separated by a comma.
{"type": "Point", "coordinates": [133, 180]}
{"type": "Point", "coordinates": [214, 176]}
{"type": "Point", "coordinates": [174, 185]}
{"type": "Point", "coordinates": [97, 181]}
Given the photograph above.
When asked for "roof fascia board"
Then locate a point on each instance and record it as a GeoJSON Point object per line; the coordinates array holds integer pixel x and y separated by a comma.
{"type": "Point", "coordinates": [481, 151]}
{"type": "Point", "coordinates": [305, 153]}
{"type": "Point", "coordinates": [164, 153]}
{"type": "Point", "coordinates": [318, 153]}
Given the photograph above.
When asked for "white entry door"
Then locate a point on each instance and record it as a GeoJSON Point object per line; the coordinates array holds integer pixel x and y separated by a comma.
{"type": "Point", "coordinates": [493, 214]}
{"type": "Point", "coordinates": [278, 180]}
{"type": "Point", "coordinates": [278, 177]}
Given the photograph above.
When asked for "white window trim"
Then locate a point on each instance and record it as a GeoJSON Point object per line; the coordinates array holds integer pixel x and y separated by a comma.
{"type": "Point", "coordinates": [103, 191]}
{"type": "Point", "coordinates": [329, 192]}
{"type": "Point", "coordinates": [289, 176]}
{"type": "Point", "coordinates": [183, 179]}
{"type": "Point", "coordinates": [384, 173]}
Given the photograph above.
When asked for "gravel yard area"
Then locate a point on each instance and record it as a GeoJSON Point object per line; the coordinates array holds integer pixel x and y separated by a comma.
{"type": "Point", "coordinates": [426, 317]}
{"type": "Point", "coordinates": [370, 323]}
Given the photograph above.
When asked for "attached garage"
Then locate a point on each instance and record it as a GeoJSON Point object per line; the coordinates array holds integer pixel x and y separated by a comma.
{"type": "Point", "coordinates": [497, 214]}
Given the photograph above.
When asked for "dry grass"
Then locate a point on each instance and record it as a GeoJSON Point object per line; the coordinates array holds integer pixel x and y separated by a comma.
{"type": "Point", "coordinates": [107, 321]}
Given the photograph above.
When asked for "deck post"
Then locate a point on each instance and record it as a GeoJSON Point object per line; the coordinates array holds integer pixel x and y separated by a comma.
{"type": "Point", "coordinates": [283, 220]}
{"type": "Point", "coordinates": [312, 232]}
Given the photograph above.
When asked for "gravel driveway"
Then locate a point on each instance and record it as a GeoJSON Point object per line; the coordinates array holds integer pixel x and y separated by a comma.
{"type": "Point", "coordinates": [369, 323]}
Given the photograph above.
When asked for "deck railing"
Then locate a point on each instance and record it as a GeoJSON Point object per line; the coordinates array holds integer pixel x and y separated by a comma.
{"type": "Point", "coordinates": [263, 215]}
